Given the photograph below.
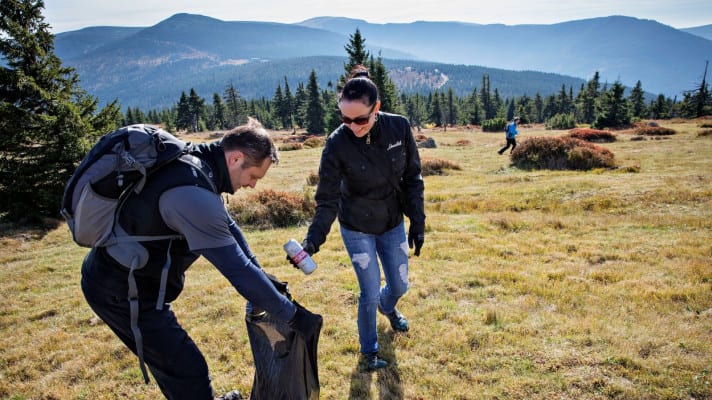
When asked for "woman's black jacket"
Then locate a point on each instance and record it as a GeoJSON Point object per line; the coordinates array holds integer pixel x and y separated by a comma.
{"type": "Point", "coordinates": [357, 180]}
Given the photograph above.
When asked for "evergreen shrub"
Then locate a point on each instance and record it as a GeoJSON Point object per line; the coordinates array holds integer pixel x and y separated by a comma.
{"type": "Point", "coordinates": [561, 121]}
{"type": "Point", "coordinates": [494, 125]}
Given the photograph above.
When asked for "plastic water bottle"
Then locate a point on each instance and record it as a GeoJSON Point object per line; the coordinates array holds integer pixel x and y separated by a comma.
{"type": "Point", "coordinates": [299, 256]}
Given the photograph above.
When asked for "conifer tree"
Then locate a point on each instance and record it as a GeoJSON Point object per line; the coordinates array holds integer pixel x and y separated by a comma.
{"type": "Point", "coordinates": [356, 50]}
{"type": "Point", "coordinates": [300, 105]}
{"type": "Point", "coordinates": [47, 121]}
{"type": "Point", "coordinates": [235, 107]}
{"type": "Point", "coordinates": [612, 108]}
{"type": "Point", "coordinates": [288, 121]}
{"type": "Point", "coordinates": [219, 111]}
{"type": "Point", "coordinates": [278, 105]}
{"type": "Point", "coordinates": [637, 101]}
{"type": "Point", "coordinates": [698, 102]}
{"type": "Point", "coordinates": [315, 107]}
{"type": "Point", "coordinates": [387, 91]}
{"type": "Point", "coordinates": [184, 118]}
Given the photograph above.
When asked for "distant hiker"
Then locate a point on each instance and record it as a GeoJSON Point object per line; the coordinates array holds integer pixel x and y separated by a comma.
{"type": "Point", "coordinates": [511, 133]}
{"type": "Point", "coordinates": [183, 200]}
{"type": "Point", "coordinates": [369, 176]}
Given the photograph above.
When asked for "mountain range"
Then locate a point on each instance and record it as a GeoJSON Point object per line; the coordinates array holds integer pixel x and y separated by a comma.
{"type": "Point", "coordinates": [149, 67]}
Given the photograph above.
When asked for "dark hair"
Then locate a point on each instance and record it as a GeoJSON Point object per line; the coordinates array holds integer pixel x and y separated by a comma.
{"type": "Point", "coordinates": [253, 141]}
{"type": "Point", "coordinates": [359, 86]}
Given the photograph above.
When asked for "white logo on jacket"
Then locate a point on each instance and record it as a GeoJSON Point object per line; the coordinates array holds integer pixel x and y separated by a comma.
{"type": "Point", "coordinates": [394, 145]}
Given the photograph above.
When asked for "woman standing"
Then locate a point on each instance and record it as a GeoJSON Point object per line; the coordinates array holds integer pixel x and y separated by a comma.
{"type": "Point", "coordinates": [369, 175]}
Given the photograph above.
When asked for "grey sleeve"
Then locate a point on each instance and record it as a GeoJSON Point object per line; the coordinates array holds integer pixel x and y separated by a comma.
{"type": "Point", "coordinates": [199, 215]}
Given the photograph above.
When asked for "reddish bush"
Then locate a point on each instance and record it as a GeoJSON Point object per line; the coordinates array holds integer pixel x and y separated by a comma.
{"type": "Point", "coordinates": [654, 131]}
{"type": "Point", "coordinates": [463, 142]}
{"type": "Point", "coordinates": [592, 135]}
{"type": "Point", "coordinates": [560, 153]}
{"type": "Point", "coordinates": [420, 138]}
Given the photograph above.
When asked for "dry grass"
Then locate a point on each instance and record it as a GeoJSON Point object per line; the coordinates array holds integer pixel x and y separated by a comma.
{"type": "Point", "coordinates": [531, 285]}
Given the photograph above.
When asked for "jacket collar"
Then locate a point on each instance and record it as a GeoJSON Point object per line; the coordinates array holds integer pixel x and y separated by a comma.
{"type": "Point", "coordinates": [214, 155]}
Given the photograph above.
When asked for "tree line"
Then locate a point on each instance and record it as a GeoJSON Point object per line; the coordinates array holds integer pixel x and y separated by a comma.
{"type": "Point", "coordinates": [48, 122]}
{"type": "Point", "coordinates": [313, 108]}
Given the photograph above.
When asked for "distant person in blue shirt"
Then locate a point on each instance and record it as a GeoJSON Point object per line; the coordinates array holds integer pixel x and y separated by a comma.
{"type": "Point", "coordinates": [511, 134]}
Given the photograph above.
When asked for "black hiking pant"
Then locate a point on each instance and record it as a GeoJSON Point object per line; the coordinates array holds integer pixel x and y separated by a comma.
{"type": "Point", "coordinates": [171, 355]}
{"type": "Point", "coordinates": [510, 142]}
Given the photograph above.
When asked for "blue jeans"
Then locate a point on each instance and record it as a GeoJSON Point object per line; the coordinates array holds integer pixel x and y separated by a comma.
{"type": "Point", "coordinates": [365, 250]}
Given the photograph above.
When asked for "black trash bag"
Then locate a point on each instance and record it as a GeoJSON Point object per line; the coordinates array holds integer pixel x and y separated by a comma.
{"type": "Point", "coordinates": [285, 362]}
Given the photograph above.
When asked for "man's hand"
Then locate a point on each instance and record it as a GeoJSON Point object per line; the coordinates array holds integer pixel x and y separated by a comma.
{"type": "Point", "coordinates": [308, 247]}
{"type": "Point", "coordinates": [416, 237]}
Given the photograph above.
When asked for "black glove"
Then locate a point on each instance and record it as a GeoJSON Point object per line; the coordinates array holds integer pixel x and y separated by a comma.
{"type": "Point", "coordinates": [308, 247]}
{"type": "Point", "coordinates": [305, 322]}
{"type": "Point", "coordinates": [416, 237]}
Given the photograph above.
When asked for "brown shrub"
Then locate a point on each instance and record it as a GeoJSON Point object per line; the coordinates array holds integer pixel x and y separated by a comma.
{"type": "Point", "coordinates": [313, 178]}
{"type": "Point", "coordinates": [560, 153]}
{"type": "Point", "coordinates": [420, 138]}
{"type": "Point", "coordinates": [272, 209]}
{"type": "Point", "coordinates": [706, 125]}
{"type": "Point", "coordinates": [654, 131]}
{"type": "Point", "coordinates": [436, 166]}
{"type": "Point", "coordinates": [592, 135]}
{"type": "Point", "coordinates": [289, 146]}
{"type": "Point", "coordinates": [706, 132]}
{"type": "Point", "coordinates": [314, 141]}
{"type": "Point", "coordinates": [463, 142]}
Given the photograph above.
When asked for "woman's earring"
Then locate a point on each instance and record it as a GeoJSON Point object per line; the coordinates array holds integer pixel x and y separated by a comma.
{"type": "Point", "coordinates": [376, 118]}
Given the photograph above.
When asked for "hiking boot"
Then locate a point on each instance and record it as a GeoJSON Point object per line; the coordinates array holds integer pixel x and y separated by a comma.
{"type": "Point", "coordinates": [232, 395]}
{"type": "Point", "coordinates": [373, 362]}
{"type": "Point", "coordinates": [398, 321]}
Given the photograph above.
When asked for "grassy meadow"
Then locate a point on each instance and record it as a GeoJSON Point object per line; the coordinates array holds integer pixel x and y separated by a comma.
{"type": "Point", "coordinates": [531, 285]}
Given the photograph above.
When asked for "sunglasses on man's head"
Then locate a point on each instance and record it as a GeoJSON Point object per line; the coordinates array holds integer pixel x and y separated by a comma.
{"type": "Point", "coordinates": [357, 120]}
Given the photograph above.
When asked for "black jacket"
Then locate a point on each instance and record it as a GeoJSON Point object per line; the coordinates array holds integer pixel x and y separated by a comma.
{"type": "Point", "coordinates": [355, 180]}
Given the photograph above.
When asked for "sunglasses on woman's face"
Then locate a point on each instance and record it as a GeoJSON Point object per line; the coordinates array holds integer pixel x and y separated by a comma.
{"type": "Point", "coordinates": [357, 120]}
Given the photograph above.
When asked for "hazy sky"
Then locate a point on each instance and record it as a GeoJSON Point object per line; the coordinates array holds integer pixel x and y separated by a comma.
{"type": "Point", "coordinates": [67, 15]}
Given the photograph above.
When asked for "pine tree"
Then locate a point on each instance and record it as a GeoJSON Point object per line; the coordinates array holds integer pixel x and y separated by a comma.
{"type": "Point", "coordinates": [637, 101]}
{"type": "Point", "coordinates": [315, 107]}
{"type": "Point", "coordinates": [356, 50]}
{"type": "Point", "coordinates": [47, 122]}
{"type": "Point", "coordinates": [300, 105]}
{"type": "Point", "coordinates": [196, 107]}
{"type": "Point", "coordinates": [698, 102]}
{"type": "Point", "coordinates": [184, 118]}
{"type": "Point", "coordinates": [235, 107]}
{"type": "Point", "coordinates": [538, 108]}
{"type": "Point", "coordinates": [219, 111]}
{"type": "Point", "coordinates": [612, 108]}
{"type": "Point", "coordinates": [387, 92]}
{"type": "Point", "coordinates": [280, 110]}
{"type": "Point", "coordinates": [288, 122]}
{"type": "Point", "coordinates": [452, 110]}
{"type": "Point", "coordinates": [587, 103]}
{"type": "Point", "coordinates": [436, 112]}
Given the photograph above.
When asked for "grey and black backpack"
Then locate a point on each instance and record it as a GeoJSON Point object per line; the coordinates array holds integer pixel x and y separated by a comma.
{"type": "Point", "coordinates": [115, 168]}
